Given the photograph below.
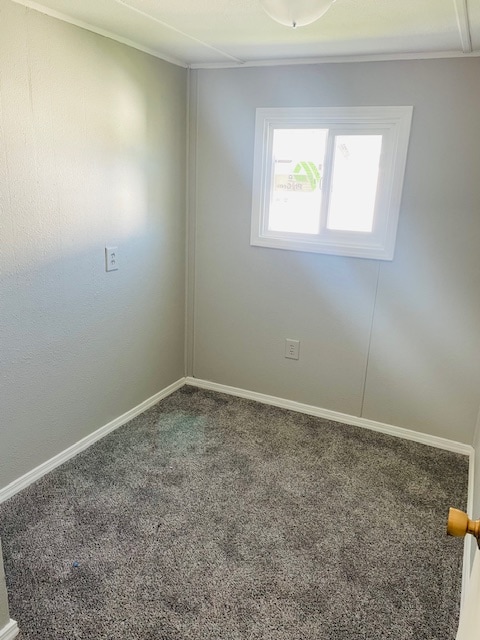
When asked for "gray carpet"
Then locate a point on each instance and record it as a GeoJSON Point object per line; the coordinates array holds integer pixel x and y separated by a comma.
{"type": "Point", "coordinates": [211, 517]}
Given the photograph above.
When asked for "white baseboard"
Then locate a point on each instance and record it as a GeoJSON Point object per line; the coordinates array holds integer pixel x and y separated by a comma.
{"type": "Point", "coordinates": [9, 631]}
{"type": "Point", "coordinates": [31, 476]}
{"type": "Point", "coordinates": [399, 432]}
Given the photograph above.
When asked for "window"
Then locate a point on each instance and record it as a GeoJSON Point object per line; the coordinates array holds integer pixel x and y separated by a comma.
{"type": "Point", "coordinates": [329, 180]}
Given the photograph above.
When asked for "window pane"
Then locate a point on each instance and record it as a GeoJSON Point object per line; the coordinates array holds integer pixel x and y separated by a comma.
{"type": "Point", "coordinates": [295, 191]}
{"type": "Point", "coordinates": [354, 182]}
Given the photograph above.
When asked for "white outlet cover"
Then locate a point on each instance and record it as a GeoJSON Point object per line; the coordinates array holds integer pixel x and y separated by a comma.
{"type": "Point", "coordinates": [111, 258]}
{"type": "Point", "coordinates": [292, 349]}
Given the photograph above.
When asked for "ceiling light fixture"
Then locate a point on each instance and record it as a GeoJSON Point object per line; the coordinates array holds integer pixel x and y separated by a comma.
{"type": "Point", "coordinates": [296, 13]}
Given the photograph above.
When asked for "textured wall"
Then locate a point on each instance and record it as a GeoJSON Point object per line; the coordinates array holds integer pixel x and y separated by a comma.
{"type": "Point", "coordinates": [92, 151]}
{"type": "Point", "coordinates": [394, 341]}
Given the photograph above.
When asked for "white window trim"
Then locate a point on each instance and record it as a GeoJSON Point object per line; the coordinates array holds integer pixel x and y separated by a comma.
{"type": "Point", "coordinates": [394, 124]}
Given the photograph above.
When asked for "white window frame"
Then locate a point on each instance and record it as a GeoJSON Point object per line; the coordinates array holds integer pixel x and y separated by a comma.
{"type": "Point", "coordinates": [393, 123]}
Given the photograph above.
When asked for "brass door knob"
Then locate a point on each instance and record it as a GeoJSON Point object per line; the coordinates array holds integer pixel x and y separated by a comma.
{"type": "Point", "coordinates": [459, 524]}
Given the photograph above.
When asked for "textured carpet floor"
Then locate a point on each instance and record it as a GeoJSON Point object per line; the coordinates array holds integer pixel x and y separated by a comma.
{"type": "Point", "coordinates": [212, 517]}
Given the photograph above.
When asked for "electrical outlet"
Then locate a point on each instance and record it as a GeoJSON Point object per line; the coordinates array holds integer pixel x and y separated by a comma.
{"type": "Point", "coordinates": [292, 349]}
{"type": "Point", "coordinates": [111, 258]}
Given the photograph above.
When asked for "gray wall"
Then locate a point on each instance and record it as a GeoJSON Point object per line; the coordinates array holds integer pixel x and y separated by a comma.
{"type": "Point", "coordinates": [4, 615]}
{"type": "Point", "coordinates": [393, 341]}
{"type": "Point", "coordinates": [92, 151]}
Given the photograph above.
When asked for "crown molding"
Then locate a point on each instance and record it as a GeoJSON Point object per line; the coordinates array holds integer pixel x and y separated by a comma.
{"type": "Point", "coordinates": [29, 4]}
{"type": "Point", "coordinates": [377, 57]}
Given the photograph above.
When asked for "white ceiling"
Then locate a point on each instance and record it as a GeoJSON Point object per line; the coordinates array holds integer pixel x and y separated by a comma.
{"type": "Point", "coordinates": [201, 33]}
